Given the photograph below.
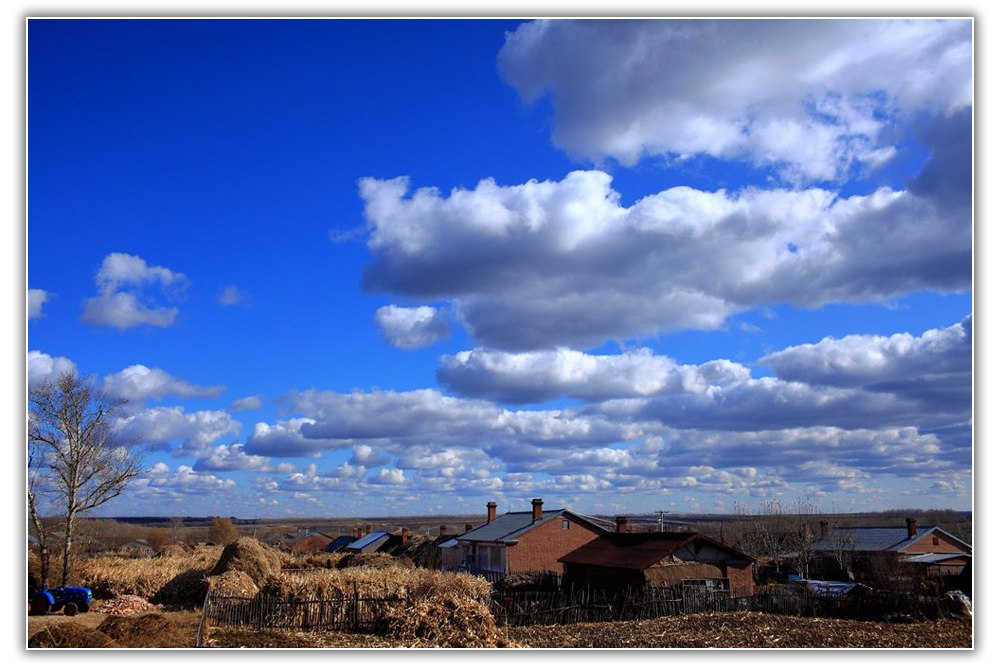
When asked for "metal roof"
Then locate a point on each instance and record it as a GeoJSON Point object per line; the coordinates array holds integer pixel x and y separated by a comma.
{"type": "Point", "coordinates": [508, 527]}
{"type": "Point", "coordinates": [339, 543]}
{"type": "Point", "coordinates": [367, 540]}
{"type": "Point", "coordinates": [936, 558]}
{"type": "Point", "coordinates": [876, 538]}
{"type": "Point", "coordinates": [639, 551]}
{"type": "Point", "coordinates": [448, 544]}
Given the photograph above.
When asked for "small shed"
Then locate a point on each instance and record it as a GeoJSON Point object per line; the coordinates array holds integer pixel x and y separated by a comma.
{"type": "Point", "coordinates": [634, 560]}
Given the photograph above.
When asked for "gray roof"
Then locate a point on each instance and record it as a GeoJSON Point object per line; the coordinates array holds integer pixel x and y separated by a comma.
{"type": "Point", "coordinates": [879, 538]}
{"type": "Point", "coordinates": [935, 558]}
{"type": "Point", "coordinates": [508, 527]}
{"type": "Point", "coordinates": [366, 541]}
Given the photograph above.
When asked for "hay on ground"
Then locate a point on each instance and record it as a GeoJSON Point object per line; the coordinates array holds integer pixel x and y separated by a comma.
{"type": "Point", "coordinates": [70, 635]}
{"type": "Point", "coordinates": [234, 583]}
{"type": "Point", "coordinates": [124, 605]}
{"type": "Point", "coordinates": [248, 555]}
{"type": "Point", "coordinates": [172, 551]}
{"type": "Point", "coordinates": [375, 561]}
{"type": "Point", "coordinates": [152, 629]}
{"type": "Point", "coordinates": [449, 621]}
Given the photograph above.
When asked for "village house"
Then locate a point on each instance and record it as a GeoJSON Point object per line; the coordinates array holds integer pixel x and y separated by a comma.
{"type": "Point", "coordinates": [624, 560]}
{"type": "Point", "coordinates": [892, 555]}
{"type": "Point", "coordinates": [520, 541]}
{"type": "Point", "coordinates": [311, 542]}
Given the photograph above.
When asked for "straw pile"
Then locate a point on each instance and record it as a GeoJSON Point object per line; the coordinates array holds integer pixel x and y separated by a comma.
{"type": "Point", "coordinates": [447, 621]}
{"type": "Point", "coordinates": [109, 576]}
{"type": "Point", "coordinates": [124, 605]}
{"type": "Point", "coordinates": [144, 631]}
{"type": "Point", "coordinates": [70, 635]}
{"type": "Point", "coordinates": [234, 584]}
{"type": "Point", "coordinates": [374, 561]}
{"type": "Point", "coordinates": [250, 556]}
{"type": "Point", "coordinates": [172, 551]}
{"type": "Point", "coordinates": [403, 582]}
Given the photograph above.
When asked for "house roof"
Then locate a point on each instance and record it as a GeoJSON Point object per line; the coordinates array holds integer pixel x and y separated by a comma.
{"type": "Point", "coordinates": [367, 540]}
{"type": "Point", "coordinates": [339, 543]}
{"type": "Point", "coordinates": [639, 551]}
{"type": "Point", "coordinates": [877, 538]}
{"type": "Point", "coordinates": [937, 558]}
{"type": "Point", "coordinates": [510, 526]}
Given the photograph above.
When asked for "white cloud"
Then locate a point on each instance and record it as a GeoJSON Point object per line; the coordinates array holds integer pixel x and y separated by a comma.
{"type": "Point", "coordinates": [36, 299]}
{"type": "Point", "coordinates": [139, 383]}
{"type": "Point", "coordinates": [168, 425]}
{"type": "Point", "coordinates": [410, 328]}
{"type": "Point", "coordinates": [184, 480]}
{"type": "Point", "coordinates": [232, 457]}
{"type": "Point", "coordinates": [544, 264]}
{"type": "Point", "coordinates": [124, 300]}
{"type": "Point", "coordinates": [543, 376]}
{"type": "Point", "coordinates": [245, 403]}
{"type": "Point", "coordinates": [808, 96]}
{"type": "Point", "coordinates": [285, 439]}
{"type": "Point", "coordinates": [42, 366]}
{"type": "Point", "coordinates": [231, 296]}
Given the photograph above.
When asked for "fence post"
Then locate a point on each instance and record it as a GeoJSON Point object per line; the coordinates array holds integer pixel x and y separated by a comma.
{"type": "Point", "coordinates": [355, 610]}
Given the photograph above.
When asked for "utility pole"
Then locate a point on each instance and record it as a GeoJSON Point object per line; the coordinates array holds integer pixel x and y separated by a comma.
{"type": "Point", "coordinates": [660, 513]}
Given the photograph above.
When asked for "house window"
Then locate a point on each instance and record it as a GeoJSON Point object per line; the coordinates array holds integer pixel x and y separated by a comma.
{"type": "Point", "coordinates": [936, 541]}
{"type": "Point", "coordinates": [565, 524]}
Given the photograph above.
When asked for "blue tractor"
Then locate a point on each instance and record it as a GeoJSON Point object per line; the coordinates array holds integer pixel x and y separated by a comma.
{"type": "Point", "coordinates": [70, 600]}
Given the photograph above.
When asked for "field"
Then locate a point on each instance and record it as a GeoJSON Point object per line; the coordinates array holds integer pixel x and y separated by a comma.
{"type": "Point", "coordinates": [738, 630]}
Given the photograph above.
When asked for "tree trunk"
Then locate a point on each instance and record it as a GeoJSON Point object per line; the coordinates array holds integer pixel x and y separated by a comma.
{"type": "Point", "coordinates": [67, 546]}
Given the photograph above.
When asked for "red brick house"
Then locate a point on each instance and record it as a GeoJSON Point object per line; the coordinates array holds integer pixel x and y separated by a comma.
{"type": "Point", "coordinates": [623, 560]}
{"type": "Point", "coordinates": [521, 541]}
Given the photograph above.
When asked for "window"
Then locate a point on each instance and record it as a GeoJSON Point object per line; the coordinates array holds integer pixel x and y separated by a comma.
{"type": "Point", "coordinates": [565, 524]}
{"type": "Point", "coordinates": [936, 541]}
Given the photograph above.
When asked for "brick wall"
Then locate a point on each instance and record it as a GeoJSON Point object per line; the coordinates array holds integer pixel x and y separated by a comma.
{"type": "Point", "coordinates": [538, 549]}
{"type": "Point", "coordinates": [740, 580]}
{"type": "Point", "coordinates": [925, 545]}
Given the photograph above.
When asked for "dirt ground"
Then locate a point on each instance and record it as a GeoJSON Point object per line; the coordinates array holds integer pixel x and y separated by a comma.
{"type": "Point", "coordinates": [735, 630]}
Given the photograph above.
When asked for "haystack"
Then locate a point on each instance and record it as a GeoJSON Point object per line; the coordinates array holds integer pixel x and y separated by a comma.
{"type": "Point", "coordinates": [234, 584]}
{"type": "Point", "coordinates": [449, 621]}
{"type": "Point", "coordinates": [250, 556]}
{"type": "Point", "coordinates": [375, 561]}
{"type": "Point", "coordinates": [70, 635]}
{"type": "Point", "coordinates": [147, 630]}
{"type": "Point", "coordinates": [172, 551]}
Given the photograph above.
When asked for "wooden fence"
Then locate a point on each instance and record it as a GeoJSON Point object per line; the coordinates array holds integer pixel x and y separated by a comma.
{"type": "Point", "coordinates": [589, 605]}
{"type": "Point", "coordinates": [349, 613]}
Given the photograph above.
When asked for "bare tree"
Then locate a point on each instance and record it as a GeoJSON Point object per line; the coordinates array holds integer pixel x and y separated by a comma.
{"type": "Point", "coordinates": [41, 530]}
{"type": "Point", "coordinates": [78, 461]}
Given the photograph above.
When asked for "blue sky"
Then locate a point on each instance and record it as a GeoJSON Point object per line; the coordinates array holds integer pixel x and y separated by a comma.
{"type": "Point", "coordinates": [346, 267]}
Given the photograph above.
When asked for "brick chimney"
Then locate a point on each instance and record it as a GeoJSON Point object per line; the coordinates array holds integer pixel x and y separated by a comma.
{"type": "Point", "coordinates": [824, 528]}
{"type": "Point", "coordinates": [357, 531]}
{"type": "Point", "coordinates": [911, 527]}
{"type": "Point", "coordinates": [536, 509]}
{"type": "Point", "coordinates": [443, 530]}
{"type": "Point", "coordinates": [404, 535]}
{"type": "Point", "coordinates": [491, 512]}
{"type": "Point", "coordinates": [468, 527]}
{"type": "Point", "coordinates": [368, 528]}
{"type": "Point", "coordinates": [621, 524]}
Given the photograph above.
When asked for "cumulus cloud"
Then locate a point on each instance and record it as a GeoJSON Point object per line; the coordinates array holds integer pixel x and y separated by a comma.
{"type": "Point", "coordinates": [563, 263]}
{"type": "Point", "coordinates": [128, 288]}
{"type": "Point", "coordinates": [139, 383]}
{"type": "Point", "coordinates": [410, 328]}
{"type": "Point", "coordinates": [285, 439]}
{"type": "Point", "coordinates": [164, 426]}
{"type": "Point", "coordinates": [42, 366]}
{"type": "Point", "coordinates": [938, 356]}
{"type": "Point", "coordinates": [160, 479]}
{"type": "Point", "coordinates": [626, 89]}
{"type": "Point", "coordinates": [245, 403]}
{"type": "Point", "coordinates": [529, 377]}
{"type": "Point", "coordinates": [231, 458]}
{"type": "Point", "coordinates": [36, 299]}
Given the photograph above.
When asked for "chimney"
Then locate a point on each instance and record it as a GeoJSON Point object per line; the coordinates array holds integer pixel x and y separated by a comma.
{"type": "Point", "coordinates": [443, 530]}
{"type": "Point", "coordinates": [536, 509]}
{"type": "Point", "coordinates": [621, 524]}
{"type": "Point", "coordinates": [368, 528]}
{"type": "Point", "coordinates": [404, 535]}
{"type": "Point", "coordinates": [468, 527]}
{"type": "Point", "coordinates": [824, 528]}
{"type": "Point", "coordinates": [911, 527]}
{"type": "Point", "coordinates": [357, 531]}
{"type": "Point", "coordinates": [491, 512]}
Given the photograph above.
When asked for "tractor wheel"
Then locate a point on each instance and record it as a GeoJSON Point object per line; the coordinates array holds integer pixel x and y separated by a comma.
{"type": "Point", "coordinates": [70, 609]}
{"type": "Point", "coordinates": [40, 605]}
